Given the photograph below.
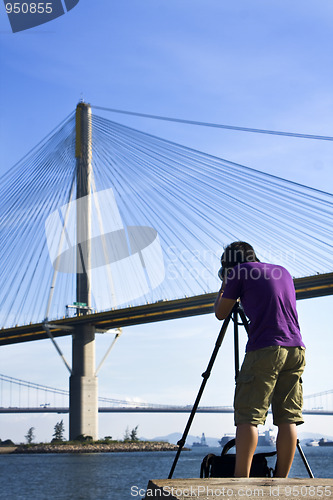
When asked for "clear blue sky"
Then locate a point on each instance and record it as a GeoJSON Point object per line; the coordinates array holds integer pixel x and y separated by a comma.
{"type": "Point", "coordinates": [256, 64]}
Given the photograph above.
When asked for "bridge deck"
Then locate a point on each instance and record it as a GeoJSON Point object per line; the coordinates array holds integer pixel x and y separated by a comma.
{"type": "Point", "coordinates": [307, 287]}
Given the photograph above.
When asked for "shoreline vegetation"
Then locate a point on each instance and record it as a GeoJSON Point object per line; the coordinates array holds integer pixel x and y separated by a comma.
{"type": "Point", "coordinates": [89, 447]}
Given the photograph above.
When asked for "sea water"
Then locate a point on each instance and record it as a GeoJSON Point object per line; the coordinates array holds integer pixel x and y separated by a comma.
{"type": "Point", "coordinates": [118, 476]}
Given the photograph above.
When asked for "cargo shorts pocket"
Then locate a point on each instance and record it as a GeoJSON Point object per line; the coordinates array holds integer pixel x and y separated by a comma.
{"type": "Point", "coordinates": [299, 393]}
{"type": "Point", "coordinates": [243, 390]}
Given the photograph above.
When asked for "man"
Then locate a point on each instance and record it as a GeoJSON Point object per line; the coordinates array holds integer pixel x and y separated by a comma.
{"type": "Point", "coordinates": [274, 360]}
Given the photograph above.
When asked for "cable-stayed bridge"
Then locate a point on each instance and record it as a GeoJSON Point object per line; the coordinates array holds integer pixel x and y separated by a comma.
{"type": "Point", "coordinates": [21, 396]}
{"type": "Point", "coordinates": [160, 213]}
{"type": "Point", "coordinates": [103, 226]}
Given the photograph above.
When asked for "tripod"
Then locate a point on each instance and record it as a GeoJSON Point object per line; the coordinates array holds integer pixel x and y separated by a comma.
{"type": "Point", "coordinates": [236, 312]}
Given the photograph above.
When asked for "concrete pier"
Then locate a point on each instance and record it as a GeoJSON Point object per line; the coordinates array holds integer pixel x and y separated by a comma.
{"type": "Point", "coordinates": [240, 489]}
{"type": "Point", "coordinates": [83, 416]}
{"type": "Point", "coordinates": [83, 405]}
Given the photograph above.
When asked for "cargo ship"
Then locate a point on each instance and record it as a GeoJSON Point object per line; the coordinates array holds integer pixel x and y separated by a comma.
{"type": "Point", "coordinates": [325, 442]}
{"type": "Point", "coordinates": [201, 443]}
{"type": "Point", "coordinates": [266, 438]}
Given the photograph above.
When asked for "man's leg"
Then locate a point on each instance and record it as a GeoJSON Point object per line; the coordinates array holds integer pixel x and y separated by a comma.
{"type": "Point", "coordinates": [246, 443]}
{"type": "Point", "coordinates": [285, 446]}
{"type": "Point", "coordinates": [287, 406]}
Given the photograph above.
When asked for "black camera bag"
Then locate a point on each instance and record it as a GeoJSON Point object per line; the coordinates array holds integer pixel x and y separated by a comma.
{"type": "Point", "coordinates": [224, 465]}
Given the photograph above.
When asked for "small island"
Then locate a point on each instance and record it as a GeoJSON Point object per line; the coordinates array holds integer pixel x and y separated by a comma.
{"type": "Point", "coordinates": [88, 446]}
{"type": "Point", "coordinates": [84, 444]}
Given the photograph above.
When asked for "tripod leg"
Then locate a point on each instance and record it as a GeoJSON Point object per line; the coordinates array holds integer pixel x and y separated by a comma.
{"type": "Point", "coordinates": [305, 462]}
{"type": "Point", "coordinates": [236, 342]}
{"type": "Point", "coordinates": [205, 376]}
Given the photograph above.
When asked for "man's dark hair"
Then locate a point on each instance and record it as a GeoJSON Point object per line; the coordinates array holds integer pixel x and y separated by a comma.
{"type": "Point", "coordinates": [238, 252]}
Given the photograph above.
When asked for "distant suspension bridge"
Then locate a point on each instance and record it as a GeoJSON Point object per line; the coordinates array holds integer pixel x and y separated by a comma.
{"type": "Point", "coordinates": [21, 396]}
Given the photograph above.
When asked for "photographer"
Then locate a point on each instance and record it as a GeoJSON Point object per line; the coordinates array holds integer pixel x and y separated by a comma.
{"type": "Point", "coordinates": [274, 360]}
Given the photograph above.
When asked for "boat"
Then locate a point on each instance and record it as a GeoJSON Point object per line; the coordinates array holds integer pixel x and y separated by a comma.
{"type": "Point", "coordinates": [325, 442]}
{"type": "Point", "coordinates": [201, 443]}
{"type": "Point", "coordinates": [313, 442]}
{"type": "Point", "coordinates": [266, 438]}
{"type": "Point", "coordinates": [225, 439]}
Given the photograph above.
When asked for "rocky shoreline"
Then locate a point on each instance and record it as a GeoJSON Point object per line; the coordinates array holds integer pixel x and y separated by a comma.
{"type": "Point", "coordinates": [91, 447]}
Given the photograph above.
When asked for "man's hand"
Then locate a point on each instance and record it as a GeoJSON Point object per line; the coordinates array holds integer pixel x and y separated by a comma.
{"type": "Point", "coordinates": [223, 306]}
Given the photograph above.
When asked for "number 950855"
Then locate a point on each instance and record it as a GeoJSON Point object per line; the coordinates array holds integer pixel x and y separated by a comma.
{"type": "Point", "coordinates": [28, 8]}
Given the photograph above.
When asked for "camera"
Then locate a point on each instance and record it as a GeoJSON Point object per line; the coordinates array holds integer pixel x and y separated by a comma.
{"type": "Point", "coordinates": [223, 272]}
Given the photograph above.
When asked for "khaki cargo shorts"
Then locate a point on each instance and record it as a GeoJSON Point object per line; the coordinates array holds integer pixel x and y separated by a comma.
{"type": "Point", "coordinates": [271, 375]}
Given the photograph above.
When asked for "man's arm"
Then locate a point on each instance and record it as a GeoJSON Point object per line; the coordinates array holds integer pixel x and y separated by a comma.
{"type": "Point", "coordinates": [223, 306]}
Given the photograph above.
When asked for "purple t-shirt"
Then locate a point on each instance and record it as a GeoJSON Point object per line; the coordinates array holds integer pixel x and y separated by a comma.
{"type": "Point", "coordinates": [267, 294]}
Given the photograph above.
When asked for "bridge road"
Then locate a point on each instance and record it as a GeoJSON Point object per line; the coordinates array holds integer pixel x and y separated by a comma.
{"type": "Point", "coordinates": [308, 287]}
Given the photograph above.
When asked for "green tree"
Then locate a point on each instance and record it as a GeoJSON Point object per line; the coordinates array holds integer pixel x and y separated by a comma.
{"type": "Point", "coordinates": [59, 430]}
{"type": "Point", "coordinates": [131, 436]}
{"type": "Point", "coordinates": [30, 436]}
{"type": "Point", "coordinates": [134, 434]}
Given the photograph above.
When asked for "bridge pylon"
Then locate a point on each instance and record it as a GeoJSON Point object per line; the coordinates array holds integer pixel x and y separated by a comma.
{"type": "Point", "coordinates": [83, 405]}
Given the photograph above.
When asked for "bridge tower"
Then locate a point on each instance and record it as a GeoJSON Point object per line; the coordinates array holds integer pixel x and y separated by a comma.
{"type": "Point", "coordinates": [83, 411]}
